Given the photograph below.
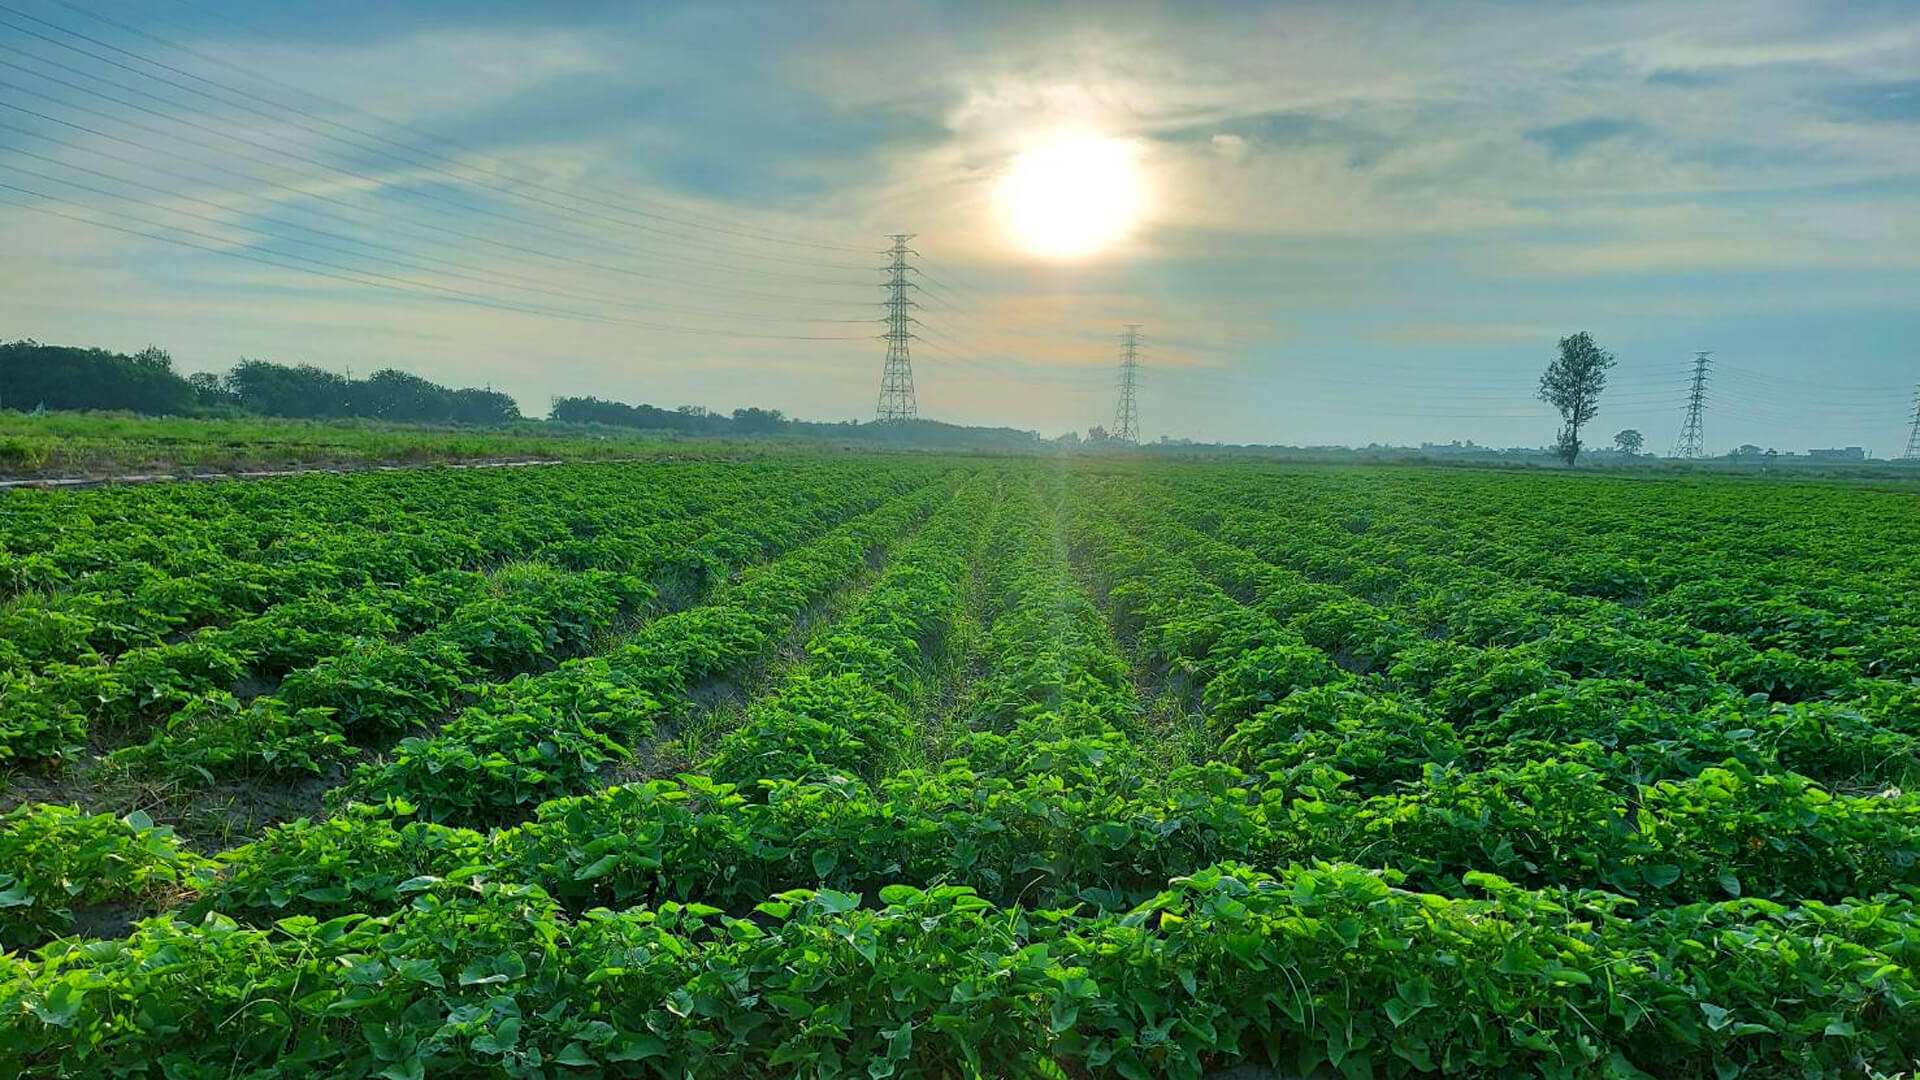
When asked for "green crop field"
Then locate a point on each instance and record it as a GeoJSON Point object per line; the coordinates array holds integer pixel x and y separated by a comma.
{"type": "Point", "coordinates": [946, 768]}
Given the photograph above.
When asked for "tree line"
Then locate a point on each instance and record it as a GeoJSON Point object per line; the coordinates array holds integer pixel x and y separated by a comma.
{"type": "Point", "coordinates": [34, 375]}
{"type": "Point", "coordinates": [695, 420]}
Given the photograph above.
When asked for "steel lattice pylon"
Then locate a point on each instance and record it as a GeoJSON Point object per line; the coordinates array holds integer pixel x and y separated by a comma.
{"type": "Point", "coordinates": [1692, 440]}
{"type": "Point", "coordinates": [1126, 416]}
{"type": "Point", "coordinates": [896, 381]}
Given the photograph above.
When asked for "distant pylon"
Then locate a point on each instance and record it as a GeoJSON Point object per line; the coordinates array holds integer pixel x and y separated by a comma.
{"type": "Point", "coordinates": [1692, 441]}
{"type": "Point", "coordinates": [1126, 418]}
{"type": "Point", "coordinates": [1913, 433]}
{"type": "Point", "coordinates": [896, 381]}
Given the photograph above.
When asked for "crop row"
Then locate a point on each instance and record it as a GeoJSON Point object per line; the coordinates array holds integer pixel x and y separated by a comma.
{"type": "Point", "coordinates": [1521, 639]}
{"type": "Point", "coordinates": [99, 572]}
{"type": "Point", "coordinates": [511, 620]}
{"type": "Point", "coordinates": [1327, 966]}
{"type": "Point", "coordinates": [1846, 602]}
{"type": "Point", "coordinates": [1620, 696]}
{"type": "Point", "coordinates": [1363, 827]}
{"type": "Point", "coordinates": [849, 710]}
{"type": "Point", "coordinates": [529, 616]}
{"type": "Point", "coordinates": [543, 736]}
{"type": "Point", "coordinates": [1416, 798]}
{"type": "Point", "coordinates": [859, 678]}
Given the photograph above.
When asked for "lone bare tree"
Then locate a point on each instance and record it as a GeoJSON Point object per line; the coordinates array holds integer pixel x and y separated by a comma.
{"type": "Point", "coordinates": [1572, 384]}
{"type": "Point", "coordinates": [1629, 442]}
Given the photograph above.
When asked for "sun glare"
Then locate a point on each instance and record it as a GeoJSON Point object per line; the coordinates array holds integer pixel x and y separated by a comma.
{"type": "Point", "coordinates": [1073, 195]}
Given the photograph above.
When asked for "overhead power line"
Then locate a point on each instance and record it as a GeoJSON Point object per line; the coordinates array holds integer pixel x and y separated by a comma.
{"type": "Point", "coordinates": [222, 246]}
{"type": "Point", "coordinates": [389, 225]}
{"type": "Point", "coordinates": [227, 131]}
{"type": "Point", "coordinates": [519, 183]}
{"type": "Point", "coordinates": [449, 268]}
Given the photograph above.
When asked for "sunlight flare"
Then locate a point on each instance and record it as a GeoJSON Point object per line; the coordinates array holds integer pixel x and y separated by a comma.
{"type": "Point", "coordinates": [1073, 195]}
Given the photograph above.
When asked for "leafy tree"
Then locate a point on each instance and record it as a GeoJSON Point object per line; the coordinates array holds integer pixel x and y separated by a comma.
{"type": "Point", "coordinates": [472, 406]}
{"type": "Point", "coordinates": [592, 410]}
{"type": "Point", "coordinates": [302, 391]}
{"type": "Point", "coordinates": [1629, 442]}
{"type": "Point", "coordinates": [62, 377]}
{"type": "Point", "coordinates": [210, 392]}
{"type": "Point", "coordinates": [1572, 384]}
{"type": "Point", "coordinates": [396, 395]}
{"type": "Point", "coordinates": [758, 421]}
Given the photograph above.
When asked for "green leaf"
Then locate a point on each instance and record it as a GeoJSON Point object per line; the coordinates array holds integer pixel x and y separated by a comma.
{"type": "Point", "coordinates": [420, 970]}
{"type": "Point", "coordinates": [61, 1008]}
{"type": "Point", "coordinates": [824, 860]}
{"type": "Point", "coordinates": [574, 1054]}
{"type": "Point", "coordinates": [1064, 1013]}
{"type": "Point", "coordinates": [501, 1039]}
{"type": "Point", "coordinates": [596, 868]}
{"type": "Point", "coordinates": [413, 1068]}
{"type": "Point", "coordinates": [635, 1047]}
{"type": "Point", "coordinates": [1660, 875]}
{"type": "Point", "coordinates": [835, 902]}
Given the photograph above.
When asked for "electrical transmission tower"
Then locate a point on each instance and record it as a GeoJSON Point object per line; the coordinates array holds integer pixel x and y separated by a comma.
{"type": "Point", "coordinates": [1126, 417]}
{"type": "Point", "coordinates": [1691, 444]}
{"type": "Point", "coordinates": [896, 382]}
{"type": "Point", "coordinates": [1913, 433]}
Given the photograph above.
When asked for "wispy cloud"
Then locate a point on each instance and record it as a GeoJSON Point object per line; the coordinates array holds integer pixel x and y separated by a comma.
{"type": "Point", "coordinates": [1334, 188]}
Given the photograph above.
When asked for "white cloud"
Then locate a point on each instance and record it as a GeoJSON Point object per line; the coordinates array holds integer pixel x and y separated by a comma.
{"type": "Point", "coordinates": [1307, 162]}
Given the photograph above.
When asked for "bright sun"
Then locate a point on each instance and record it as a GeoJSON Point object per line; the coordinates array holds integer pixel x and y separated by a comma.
{"type": "Point", "coordinates": [1072, 195]}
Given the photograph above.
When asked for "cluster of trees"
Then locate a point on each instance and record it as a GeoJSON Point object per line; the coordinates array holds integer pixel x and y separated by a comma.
{"type": "Point", "coordinates": [33, 375]}
{"type": "Point", "coordinates": [696, 420]}
{"type": "Point", "coordinates": [686, 420]}
{"type": "Point", "coordinates": [312, 393]}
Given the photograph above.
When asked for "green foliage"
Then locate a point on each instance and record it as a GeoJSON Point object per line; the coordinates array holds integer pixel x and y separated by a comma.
{"type": "Point", "coordinates": [816, 726]}
{"type": "Point", "coordinates": [1572, 384]}
{"type": "Point", "coordinates": [1263, 676]}
{"type": "Point", "coordinates": [373, 685]}
{"type": "Point", "coordinates": [930, 981]}
{"type": "Point", "coordinates": [55, 857]}
{"type": "Point", "coordinates": [218, 737]}
{"type": "Point", "coordinates": [1090, 771]}
{"type": "Point", "coordinates": [61, 377]}
{"type": "Point", "coordinates": [41, 719]}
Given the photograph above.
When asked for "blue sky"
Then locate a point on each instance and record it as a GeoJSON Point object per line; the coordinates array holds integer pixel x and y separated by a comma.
{"type": "Point", "coordinates": [1365, 222]}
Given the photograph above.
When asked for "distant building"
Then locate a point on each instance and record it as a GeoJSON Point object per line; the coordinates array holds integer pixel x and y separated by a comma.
{"type": "Point", "coordinates": [1848, 453]}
